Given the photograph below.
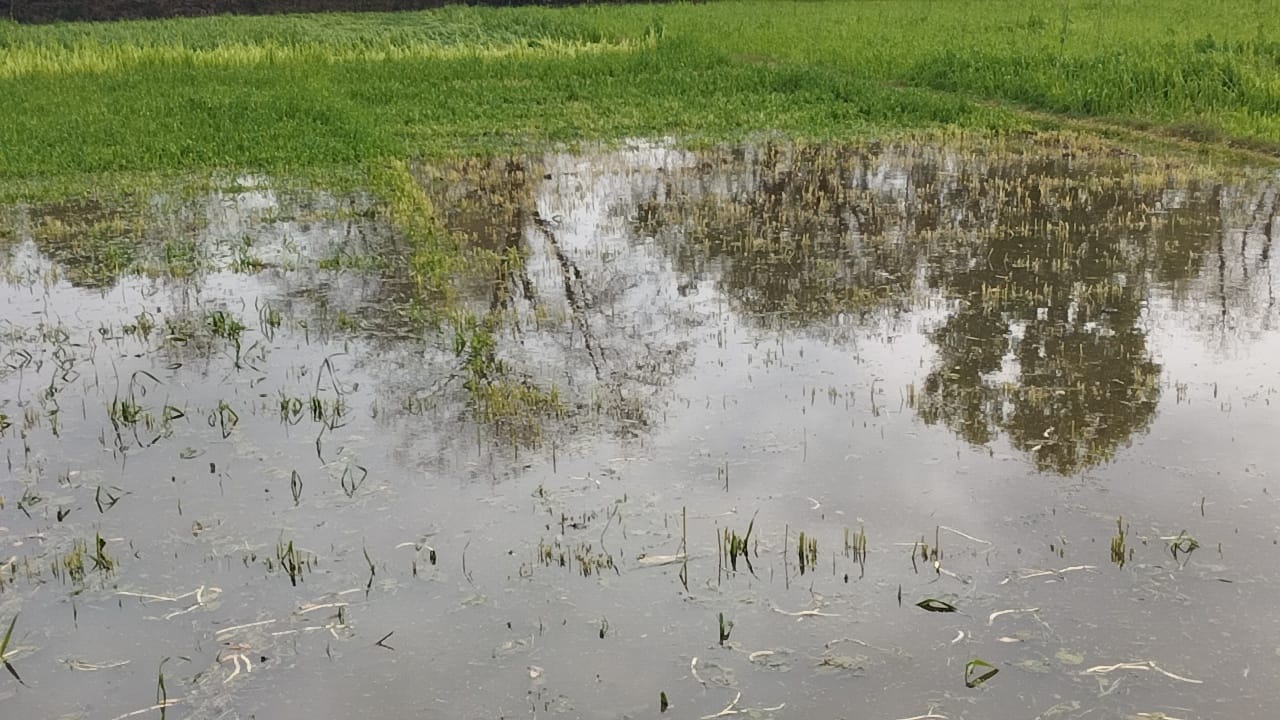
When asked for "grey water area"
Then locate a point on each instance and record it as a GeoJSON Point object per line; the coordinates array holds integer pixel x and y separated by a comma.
{"type": "Point", "coordinates": [1033, 391]}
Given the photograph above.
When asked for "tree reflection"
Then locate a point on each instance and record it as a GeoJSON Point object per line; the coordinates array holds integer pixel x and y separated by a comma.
{"type": "Point", "coordinates": [1045, 342]}
{"type": "Point", "coordinates": [1044, 263]}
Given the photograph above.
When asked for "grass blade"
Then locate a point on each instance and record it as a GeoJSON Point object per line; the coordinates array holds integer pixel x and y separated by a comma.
{"type": "Point", "coordinates": [4, 644]}
{"type": "Point", "coordinates": [935, 605]}
{"type": "Point", "coordinates": [970, 669]}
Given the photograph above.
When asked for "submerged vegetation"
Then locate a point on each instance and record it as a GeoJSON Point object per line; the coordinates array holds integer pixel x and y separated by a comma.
{"type": "Point", "coordinates": [340, 98]}
{"type": "Point", "coordinates": [341, 309]}
{"type": "Point", "coordinates": [83, 558]}
{"type": "Point", "coordinates": [734, 546]}
{"type": "Point", "coordinates": [499, 406]}
{"type": "Point", "coordinates": [1120, 550]}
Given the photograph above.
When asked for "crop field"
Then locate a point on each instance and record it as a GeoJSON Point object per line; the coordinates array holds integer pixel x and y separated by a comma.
{"type": "Point", "coordinates": [888, 360]}
{"type": "Point", "coordinates": [290, 93]}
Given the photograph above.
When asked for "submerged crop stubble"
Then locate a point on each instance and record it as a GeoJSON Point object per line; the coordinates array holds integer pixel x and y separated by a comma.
{"type": "Point", "coordinates": [636, 349]}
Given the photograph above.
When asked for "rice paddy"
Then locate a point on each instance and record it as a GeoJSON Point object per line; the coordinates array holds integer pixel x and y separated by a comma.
{"type": "Point", "coordinates": [411, 362]}
{"type": "Point", "coordinates": [485, 419]}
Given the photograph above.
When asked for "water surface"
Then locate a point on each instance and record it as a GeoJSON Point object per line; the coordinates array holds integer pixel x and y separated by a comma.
{"type": "Point", "coordinates": [304, 512]}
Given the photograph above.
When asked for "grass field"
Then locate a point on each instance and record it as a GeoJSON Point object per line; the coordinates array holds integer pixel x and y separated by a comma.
{"type": "Point", "coordinates": [310, 93]}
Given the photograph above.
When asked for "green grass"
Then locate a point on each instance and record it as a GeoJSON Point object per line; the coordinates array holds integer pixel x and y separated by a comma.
{"type": "Point", "coordinates": [304, 94]}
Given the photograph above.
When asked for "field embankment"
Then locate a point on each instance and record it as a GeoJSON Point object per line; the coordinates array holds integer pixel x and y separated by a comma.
{"type": "Point", "coordinates": [305, 92]}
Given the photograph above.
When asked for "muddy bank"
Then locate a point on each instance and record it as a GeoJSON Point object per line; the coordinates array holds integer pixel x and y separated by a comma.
{"type": "Point", "coordinates": [44, 11]}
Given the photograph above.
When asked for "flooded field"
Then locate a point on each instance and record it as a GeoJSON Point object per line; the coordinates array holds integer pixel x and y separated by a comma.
{"type": "Point", "coordinates": [767, 431]}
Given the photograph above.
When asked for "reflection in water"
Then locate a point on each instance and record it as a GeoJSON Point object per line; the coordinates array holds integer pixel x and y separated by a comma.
{"type": "Point", "coordinates": [206, 382]}
{"type": "Point", "coordinates": [1033, 270]}
{"type": "Point", "coordinates": [1044, 266]}
{"type": "Point", "coordinates": [795, 237]}
{"type": "Point", "coordinates": [1045, 340]}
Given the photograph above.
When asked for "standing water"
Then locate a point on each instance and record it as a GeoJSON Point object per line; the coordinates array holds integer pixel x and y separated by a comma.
{"type": "Point", "coordinates": [770, 431]}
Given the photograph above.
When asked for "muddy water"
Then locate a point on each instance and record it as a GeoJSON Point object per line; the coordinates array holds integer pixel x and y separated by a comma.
{"type": "Point", "coordinates": [243, 476]}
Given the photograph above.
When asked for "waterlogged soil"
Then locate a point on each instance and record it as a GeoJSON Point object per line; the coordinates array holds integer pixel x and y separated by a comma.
{"type": "Point", "coordinates": [249, 474]}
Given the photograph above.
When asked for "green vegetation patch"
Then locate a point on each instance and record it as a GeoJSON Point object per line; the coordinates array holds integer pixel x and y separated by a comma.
{"type": "Point", "coordinates": [293, 93]}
